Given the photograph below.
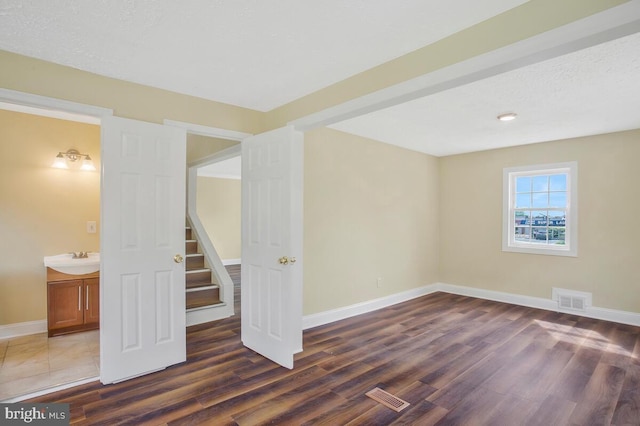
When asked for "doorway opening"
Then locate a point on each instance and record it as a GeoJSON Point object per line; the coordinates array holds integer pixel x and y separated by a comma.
{"type": "Point", "coordinates": [213, 219]}
{"type": "Point", "coordinates": [48, 212]}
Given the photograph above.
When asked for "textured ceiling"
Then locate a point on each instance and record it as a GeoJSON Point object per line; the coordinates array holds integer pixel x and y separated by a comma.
{"type": "Point", "coordinates": [587, 92]}
{"type": "Point", "coordinates": [257, 54]}
{"type": "Point", "coordinates": [261, 54]}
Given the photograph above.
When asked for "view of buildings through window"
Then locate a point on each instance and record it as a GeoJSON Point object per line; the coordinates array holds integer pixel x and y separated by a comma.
{"type": "Point", "coordinates": [540, 209]}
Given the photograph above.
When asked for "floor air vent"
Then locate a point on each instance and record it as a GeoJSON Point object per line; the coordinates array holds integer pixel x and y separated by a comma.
{"type": "Point", "coordinates": [570, 299]}
{"type": "Point", "coordinates": [571, 302]}
{"type": "Point", "coordinates": [385, 398]}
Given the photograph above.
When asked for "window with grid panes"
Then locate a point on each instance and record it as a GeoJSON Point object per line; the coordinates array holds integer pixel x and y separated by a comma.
{"type": "Point", "coordinates": [540, 209]}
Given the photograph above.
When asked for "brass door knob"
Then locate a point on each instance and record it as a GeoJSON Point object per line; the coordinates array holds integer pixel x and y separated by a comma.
{"type": "Point", "coordinates": [292, 260]}
{"type": "Point", "coordinates": [284, 260]}
{"type": "Point", "coordinates": [178, 258]}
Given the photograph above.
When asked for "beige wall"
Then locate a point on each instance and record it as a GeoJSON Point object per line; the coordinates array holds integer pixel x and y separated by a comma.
{"type": "Point", "coordinates": [218, 204]}
{"type": "Point", "coordinates": [128, 100]}
{"type": "Point", "coordinates": [43, 211]}
{"type": "Point", "coordinates": [608, 205]}
{"type": "Point", "coordinates": [202, 146]}
{"type": "Point", "coordinates": [370, 210]}
{"type": "Point", "coordinates": [217, 200]}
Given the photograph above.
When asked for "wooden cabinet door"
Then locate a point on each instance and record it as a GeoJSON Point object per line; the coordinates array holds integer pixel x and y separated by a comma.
{"type": "Point", "coordinates": [65, 304]}
{"type": "Point", "coordinates": [91, 300]}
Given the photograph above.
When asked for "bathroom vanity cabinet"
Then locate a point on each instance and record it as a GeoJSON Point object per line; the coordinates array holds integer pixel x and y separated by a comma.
{"type": "Point", "coordinates": [73, 302]}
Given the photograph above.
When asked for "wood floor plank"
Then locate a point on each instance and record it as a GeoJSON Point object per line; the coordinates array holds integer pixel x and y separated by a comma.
{"type": "Point", "coordinates": [449, 395]}
{"type": "Point", "coordinates": [307, 409]}
{"type": "Point", "coordinates": [551, 411]}
{"type": "Point", "coordinates": [456, 359]}
{"type": "Point", "coordinates": [572, 382]}
{"type": "Point", "coordinates": [448, 372]}
{"type": "Point", "coordinates": [473, 407]}
{"type": "Point", "coordinates": [511, 410]}
{"type": "Point", "coordinates": [627, 411]}
{"type": "Point", "coordinates": [600, 396]}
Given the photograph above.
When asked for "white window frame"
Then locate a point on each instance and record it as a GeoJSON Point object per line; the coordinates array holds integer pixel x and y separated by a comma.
{"type": "Point", "coordinates": [509, 244]}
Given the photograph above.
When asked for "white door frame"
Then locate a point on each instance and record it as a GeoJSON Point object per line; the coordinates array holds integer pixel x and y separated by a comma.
{"type": "Point", "coordinates": [52, 107]}
{"type": "Point", "coordinates": [205, 244]}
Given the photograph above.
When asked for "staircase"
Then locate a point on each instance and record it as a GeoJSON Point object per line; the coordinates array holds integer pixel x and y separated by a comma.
{"type": "Point", "coordinates": [202, 290]}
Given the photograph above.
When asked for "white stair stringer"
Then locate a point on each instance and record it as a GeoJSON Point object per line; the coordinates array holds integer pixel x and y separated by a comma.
{"type": "Point", "coordinates": [220, 275]}
{"type": "Point", "coordinates": [218, 270]}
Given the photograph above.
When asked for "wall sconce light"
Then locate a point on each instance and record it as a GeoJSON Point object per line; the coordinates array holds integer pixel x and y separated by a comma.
{"type": "Point", "coordinates": [72, 155]}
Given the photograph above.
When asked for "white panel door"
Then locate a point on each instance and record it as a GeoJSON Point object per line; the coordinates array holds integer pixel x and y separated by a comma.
{"type": "Point", "coordinates": [271, 294]}
{"type": "Point", "coordinates": [142, 279]}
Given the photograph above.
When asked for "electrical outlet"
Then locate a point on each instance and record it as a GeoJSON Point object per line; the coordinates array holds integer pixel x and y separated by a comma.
{"type": "Point", "coordinates": [379, 282]}
{"type": "Point", "coordinates": [91, 227]}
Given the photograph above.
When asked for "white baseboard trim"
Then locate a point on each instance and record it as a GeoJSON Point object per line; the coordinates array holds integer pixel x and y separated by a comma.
{"type": "Point", "coordinates": [226, 262]}
{"type": "Point", "coordinates": [322, 318]}
{"type": "Point", "coordinates": [622, 317]}
{"type": "Point", "coordinates": [9, 331]}
{"type": "Point", "coordinates": [498, 296]}
{"type": "Point", "coordinates": [326, 317]}
{"type": "Point", "coordinates": [209, 314]}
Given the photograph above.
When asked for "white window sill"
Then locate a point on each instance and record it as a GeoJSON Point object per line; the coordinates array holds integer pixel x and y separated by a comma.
{"type": "Point", "coordinates": [541, 250]}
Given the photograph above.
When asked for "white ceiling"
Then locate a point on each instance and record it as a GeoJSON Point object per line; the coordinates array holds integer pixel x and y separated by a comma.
{"type": "Point", "coordinates": [261, 54]}
{"type": "Point", "coordinates": [257, 54]}
{"type": "Point", "coordinates": [591, 91]}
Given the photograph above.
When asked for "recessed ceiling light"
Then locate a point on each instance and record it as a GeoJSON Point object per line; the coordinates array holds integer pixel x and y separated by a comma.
{"type": "Point", "coordinates": [508, 116]}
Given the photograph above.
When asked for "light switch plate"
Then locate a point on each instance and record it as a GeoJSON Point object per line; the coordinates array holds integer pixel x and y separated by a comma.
{"type": "Point", "coordinates": [91, 227]}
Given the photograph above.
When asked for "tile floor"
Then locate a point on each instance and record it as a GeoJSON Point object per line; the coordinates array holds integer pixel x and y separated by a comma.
{"type": "Point", "coordinates": [36, 362]}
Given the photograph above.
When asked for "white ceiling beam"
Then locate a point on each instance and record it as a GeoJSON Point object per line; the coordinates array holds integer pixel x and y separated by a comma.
{"type": "Point", "coordinates": [609, 25]}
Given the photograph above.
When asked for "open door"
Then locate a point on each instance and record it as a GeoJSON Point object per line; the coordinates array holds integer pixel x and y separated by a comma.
{"type": "Point", "coordinates": [142, 275]}
{"type": "Point", "coordinates": [271, 294]}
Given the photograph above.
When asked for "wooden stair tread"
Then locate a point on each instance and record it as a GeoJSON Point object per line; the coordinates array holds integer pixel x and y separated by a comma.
{"type": "Point", "coordinates": [194, 261]}
{"type": "Point", "coordinates": [191, 247]}
{"type": "Point", "coordinates": [201, 289]}
{"type": "Point", "coordinates": [191, 286]}
{"type": "Point", "coordinates": [199, 299]}
{"type": "Point", "coordinates": [199, 276]}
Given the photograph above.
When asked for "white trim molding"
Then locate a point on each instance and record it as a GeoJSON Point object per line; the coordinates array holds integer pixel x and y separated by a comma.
{"type": "Point", "coordinates": [208, 314]}
{"type": "Point", "coordinates": [622, 317]}
{"type": "Point", "coordinates": [212, 132]}
{"type": "Point", "coordinates": [225, 154]}
{"type": "Point", "coordinates": [326, 317]}
{"type": "Point", "coordinates": [52, 107]}
{"type": "Point", "coordinates": [226, 262]}
{"type": "Point", "coordinates": [9, 331]}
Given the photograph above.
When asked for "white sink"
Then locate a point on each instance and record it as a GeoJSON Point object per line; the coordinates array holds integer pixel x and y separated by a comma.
{"type": "Point", "coordinates": [66, 264]}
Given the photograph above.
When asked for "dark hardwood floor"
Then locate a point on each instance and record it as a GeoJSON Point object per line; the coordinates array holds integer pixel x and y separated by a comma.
{"type": "Point", "coordinates": [457, 360]}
